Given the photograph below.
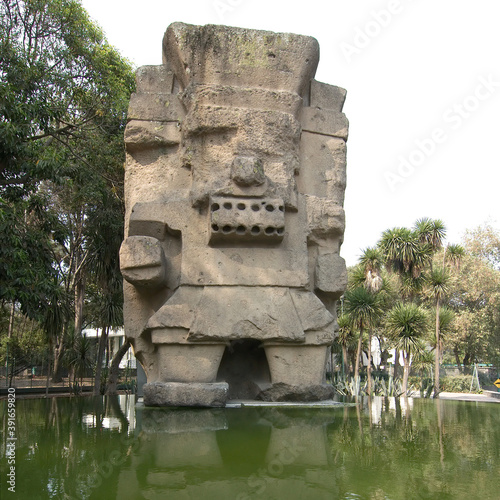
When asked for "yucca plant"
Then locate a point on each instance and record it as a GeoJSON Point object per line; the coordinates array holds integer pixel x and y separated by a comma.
{"type": "Point", "coordinates": [438, 283]}
{"type": "Point", "coordinates": [406, 323]}
{"type": "Point", "coordinates": [364, 309]}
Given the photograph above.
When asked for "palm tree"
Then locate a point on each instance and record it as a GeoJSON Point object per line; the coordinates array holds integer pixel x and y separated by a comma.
{"type": "Point", "coordinates": [454, 255]}
{"type": "Point", "coordinates": [371, 261]}
{"type": "Point", "coordinates": [438, 283]}
{"type": "Point", "coordinates": [344, 339]}
{"type": "Point", "coordinates": [364, 308]}
{"type": "Point", "coordinates": [403, 251]}
{"type": "Point", "coordinates": [431, 232]}
{"type": "Point", "coordinates": [423, 361]}
{"type": "Point", "coordinates": [79, 356]}
{"type": "Point", "coordinates": [406, 323]}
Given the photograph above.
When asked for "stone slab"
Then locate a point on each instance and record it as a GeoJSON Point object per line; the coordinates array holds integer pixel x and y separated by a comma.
{"type": "Point", "coordinates": [326, 96]}
{"type": "Point", "coordinates": [156, 107]}
{"type": "Point", "coordinates": [181, 394]}
{"type": "Point", "coordinates": [285, 392]}
{"type": "Point", "coordinates": [325, 122]}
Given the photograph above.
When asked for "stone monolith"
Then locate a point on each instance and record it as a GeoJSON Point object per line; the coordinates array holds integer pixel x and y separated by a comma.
{"type": "Point", "coordinates": [234, 185]}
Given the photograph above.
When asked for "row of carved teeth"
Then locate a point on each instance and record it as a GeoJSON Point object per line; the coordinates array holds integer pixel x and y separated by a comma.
{"type": "Point", "coordinates": [256, 207]}
{"type": "Point", "coordinates": [254, 230]}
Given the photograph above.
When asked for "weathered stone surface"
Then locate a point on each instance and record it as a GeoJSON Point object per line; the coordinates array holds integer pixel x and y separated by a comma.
{"type": "Point", "coordinates": [325, 96]}
{"type": "Point", "coordinates": [182, 394]}
{"type": "Point", "coordinates": [248, 171]}
{"type": "Point", "coordinates": [325, 218]}
{"type": "Point", "coordinates": [140, 135]}
{"type": "Point", "coordinates": [142, 261]}
{"type": "Point", "coordinates": [234, 185]}
{"type": "Point", "coordinates": [240, 57]}
{"type": "Point", "coordinates": [286, 392]}
{"type": "Point", "coordinates": [331, 274]}
{"type": "Point", "coordinates": [156, 107]}
{"type": "Point", "coordinates": [325, 122]}
{"type": "Point", "coordinates": [154, 79]}
{"type": "Point", "coordinates": [263, 313]}
{"type": "Point", "coordinates": [298, 365]}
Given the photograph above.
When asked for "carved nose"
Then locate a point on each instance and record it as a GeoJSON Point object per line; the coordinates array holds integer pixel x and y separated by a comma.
{"type": "Point", "coordinates": [247, 171]}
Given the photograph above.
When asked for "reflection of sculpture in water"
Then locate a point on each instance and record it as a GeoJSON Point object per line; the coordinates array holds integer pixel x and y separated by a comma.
{"type": "Point", "coordinates": [238, 454]}
{"type": "Point", "coordinates": [235, 181]}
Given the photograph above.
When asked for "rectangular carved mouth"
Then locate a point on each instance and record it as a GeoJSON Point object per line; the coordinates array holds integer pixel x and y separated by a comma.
{"type": "Point", "coordinates": [246, 219]}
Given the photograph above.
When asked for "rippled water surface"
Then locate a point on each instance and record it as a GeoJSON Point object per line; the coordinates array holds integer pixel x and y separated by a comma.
{"type": "Point", "coordinates": [105, 448]}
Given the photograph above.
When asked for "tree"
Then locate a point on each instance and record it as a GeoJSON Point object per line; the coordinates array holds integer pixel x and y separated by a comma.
{"type": "Point", "coordinates": [115, 365]}
{"type": "Point", "coordinates": [454, 255]}
{"type": "Point", "coordinates": [439, 283]}
{"type": "Point", "coordinates": [431, 232]}
{"type": "Point", "coordinates": [364, 308]}
{"type": "Point", "coordinates": [345, 340]}
{"type": "Point", "coordinates": [475, 297]}
{"type": "Point", "coordinates": [404, 252]}
{"type": "Point", "coordinates": [406, 323]}
{"type": "Point", "coordinates": [371, 262]}
{"type": "Point", "coordinates": [78, 356]}
{"type": "Point", "coordinates": [63, 104]}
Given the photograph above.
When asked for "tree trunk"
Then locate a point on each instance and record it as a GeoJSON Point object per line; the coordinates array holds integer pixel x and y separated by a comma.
{"type": "Point", "coordinates": [11, 320]}
{"type": "Point", "coordinates": [369, 369]}
{"type": "Point", "coordinates": [58, 354]}
{"type": "Point", "coordinates": [79, 299]}
{"type": "Point", "coordinates": [396, 364]}
{"type": "Point", "coordinates": [115, 365]}
{"type": "Point", "coordinates": [345, 360]}
{"type": "Point", "coordinates": [457, 360]}
{"type": "Point", "coordinates": [436, 364]}
{"type": "Point", "coordinates": [100, 358]}
{"type": "Point", "coordinates": [358, 355]}
{"type": "Point", "coordinates": [406, 372]}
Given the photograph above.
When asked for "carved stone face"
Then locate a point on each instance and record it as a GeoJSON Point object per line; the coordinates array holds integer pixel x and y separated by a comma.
{"type": "Point", "coordinates": [240, 152]}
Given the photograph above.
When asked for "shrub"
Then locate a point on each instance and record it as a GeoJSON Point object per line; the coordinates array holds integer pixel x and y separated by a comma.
{"type": "Point", "coordinates": [457, 383]}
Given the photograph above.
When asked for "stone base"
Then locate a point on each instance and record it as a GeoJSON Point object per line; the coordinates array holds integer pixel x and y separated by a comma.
{"type": "Point", "coordinates": [285, 392]}
{"type": "Point", "coordinates": [185, 394]}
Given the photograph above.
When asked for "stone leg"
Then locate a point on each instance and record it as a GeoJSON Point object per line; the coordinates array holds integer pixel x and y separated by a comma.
{"type": "Point", "coordinates": [297, 373]}
{"type": "Point", "coordinates": [297, 365]}
{"type": "Point", "coordinates": [187, 377]}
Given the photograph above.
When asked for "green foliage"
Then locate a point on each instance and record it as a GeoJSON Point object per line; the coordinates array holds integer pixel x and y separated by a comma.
{"type": "Point", "coordinates": [380, 387]}
{"type": "Point", "coordinates": [63, 106]}
{"type": "Point", "coordinates": [79, 355]}
{"type": "Point", "coordinates": [462, 282]}
{"type": "Point", "coordinates": [456, 383]}
{"type": "Point", "coordinates": [363, 307]}
{"type": "Point", "coordinates": [406, 325]}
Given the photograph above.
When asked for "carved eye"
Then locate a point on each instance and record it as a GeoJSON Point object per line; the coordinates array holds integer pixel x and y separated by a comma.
{"type": "Point", "coordinates": [215, 207]}
{"type": "Point", "coordinates": [228, 206]}
{"type": "Point", "coordinates": [255, 230]}
{"type": "Point", "coordinates": [241, 206]}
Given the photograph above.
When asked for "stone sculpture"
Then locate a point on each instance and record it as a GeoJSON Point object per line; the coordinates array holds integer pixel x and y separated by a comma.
{"type": "Point", "coordinates": [234, 184]}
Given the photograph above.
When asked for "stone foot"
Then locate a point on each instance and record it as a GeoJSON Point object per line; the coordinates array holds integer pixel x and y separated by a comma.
{"type": "Point", "coordinates": [185, 394]}
{"type": "Point", "coordinates": [285, 392]}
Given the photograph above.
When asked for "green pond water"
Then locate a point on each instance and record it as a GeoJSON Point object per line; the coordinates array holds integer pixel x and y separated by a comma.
{"type": "Point", "coordinates": [105, 448]}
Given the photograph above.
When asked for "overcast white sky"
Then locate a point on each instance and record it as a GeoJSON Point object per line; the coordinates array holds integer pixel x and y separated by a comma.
{"type": "Point", "coordinates": [423, 96]}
